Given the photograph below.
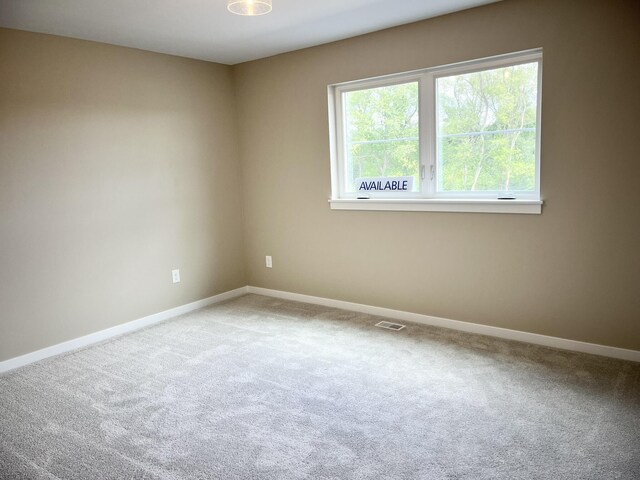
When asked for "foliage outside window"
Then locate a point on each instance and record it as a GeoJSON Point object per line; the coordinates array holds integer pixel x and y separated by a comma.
{"type": "Point", "coordinates": [382, 133]}
{"type": "Point", "coordinates": [464, 131]}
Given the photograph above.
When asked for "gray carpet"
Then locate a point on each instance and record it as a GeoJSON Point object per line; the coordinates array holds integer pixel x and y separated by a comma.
{"type": "Point", "coordinates": [260, 388]}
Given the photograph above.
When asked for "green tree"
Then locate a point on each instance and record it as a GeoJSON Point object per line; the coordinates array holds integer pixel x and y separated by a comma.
{"type": "Point", "coordinates": [486, 130]}
{"type": "Point", "coordinates": [382, 131]}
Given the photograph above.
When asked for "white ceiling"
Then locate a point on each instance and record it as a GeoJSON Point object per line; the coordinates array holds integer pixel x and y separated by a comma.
{"type": "Point", "coordinates": [204, 29]}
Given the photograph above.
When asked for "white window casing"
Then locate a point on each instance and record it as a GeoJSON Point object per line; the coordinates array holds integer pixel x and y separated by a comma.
{"type": "Point", "coordinates": [428, 196]}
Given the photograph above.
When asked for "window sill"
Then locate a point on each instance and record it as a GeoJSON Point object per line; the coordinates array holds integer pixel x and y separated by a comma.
{"type": "Point", "coordinates": [439, 205]}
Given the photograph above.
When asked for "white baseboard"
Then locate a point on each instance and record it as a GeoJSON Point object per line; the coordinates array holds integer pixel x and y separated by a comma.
{"type": "Point", "coordinates": [96, 337]}
{"type": "Point", "coordinates": [555, 342]}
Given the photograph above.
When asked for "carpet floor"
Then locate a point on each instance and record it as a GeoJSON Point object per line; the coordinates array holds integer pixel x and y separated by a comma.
{"type": "Point", "coordinates": [261, 388]}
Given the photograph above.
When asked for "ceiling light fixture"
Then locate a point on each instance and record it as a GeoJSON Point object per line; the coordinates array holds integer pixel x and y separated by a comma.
{"type": "Point", "coordinates": [249, 7]}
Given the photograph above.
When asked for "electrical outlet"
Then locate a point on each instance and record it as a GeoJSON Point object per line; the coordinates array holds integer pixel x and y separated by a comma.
{"type": "Point", "coordinates": [175, 275]}
{"type": "Point", "coordinates": [269, 262]}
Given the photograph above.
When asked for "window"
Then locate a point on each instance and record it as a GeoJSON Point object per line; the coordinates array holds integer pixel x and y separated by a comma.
{"type": "Point", "coordinates": [463, 137]}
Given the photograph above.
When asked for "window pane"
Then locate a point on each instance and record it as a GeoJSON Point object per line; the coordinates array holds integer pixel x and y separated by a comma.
{"type": "Point", "coordinates": [381, 126]}
{"type": "Point", "coordinates": [486, 130]}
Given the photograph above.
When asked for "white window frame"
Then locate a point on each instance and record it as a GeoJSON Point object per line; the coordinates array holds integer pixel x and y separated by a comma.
{"type": "Point", "coordinates": [428, 198]}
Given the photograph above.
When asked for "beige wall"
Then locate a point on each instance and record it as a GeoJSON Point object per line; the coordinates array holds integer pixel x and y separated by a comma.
{"type": "Point", "coordinates": [116, 165]}
{"type": "Point", "coordinates": [572, 272]}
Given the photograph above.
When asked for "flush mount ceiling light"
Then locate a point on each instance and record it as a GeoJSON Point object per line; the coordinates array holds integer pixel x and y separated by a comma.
{"type": "Point", "coordinates": [249, 7]}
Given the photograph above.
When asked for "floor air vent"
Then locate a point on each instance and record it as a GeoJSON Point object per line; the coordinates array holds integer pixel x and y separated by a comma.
{"type": "Point", "coordinates": [390, 326]}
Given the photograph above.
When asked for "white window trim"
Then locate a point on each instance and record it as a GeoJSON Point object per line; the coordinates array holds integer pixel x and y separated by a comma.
{"type": "Point", "coordinates": [428, 199]}
{"type": "Point", "coordinates": [477, 205]}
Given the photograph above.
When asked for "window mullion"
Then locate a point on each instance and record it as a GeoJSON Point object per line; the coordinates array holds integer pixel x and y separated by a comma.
{"type": "Point", "coordinates": [428, 134]}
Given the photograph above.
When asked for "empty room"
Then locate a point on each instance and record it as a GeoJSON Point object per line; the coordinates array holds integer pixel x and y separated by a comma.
{"type": "Point", "coordinates": [319, 239]}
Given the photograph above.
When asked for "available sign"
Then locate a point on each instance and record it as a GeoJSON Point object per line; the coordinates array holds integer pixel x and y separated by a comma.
{"type": "Point", "coordinates": [384, 184]}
